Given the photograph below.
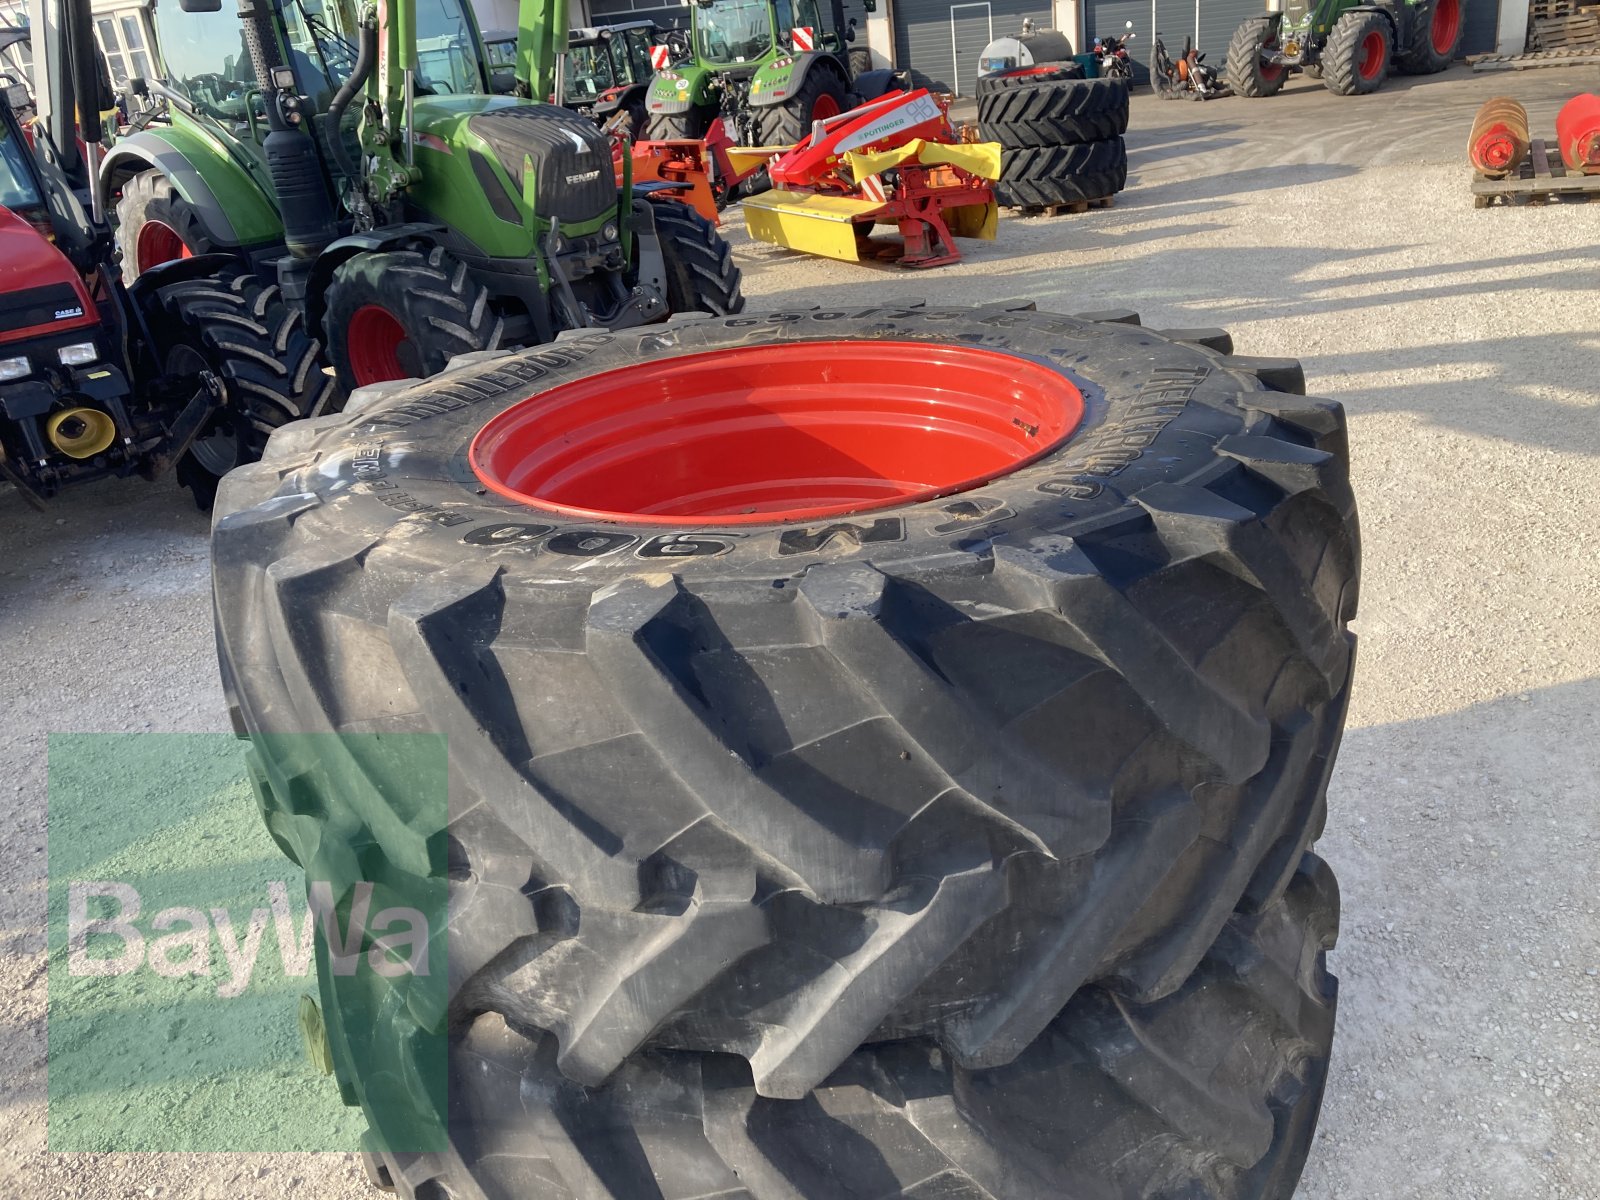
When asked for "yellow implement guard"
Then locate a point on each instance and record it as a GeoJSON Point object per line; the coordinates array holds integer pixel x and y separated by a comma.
{"type": "Point", "coordinates": [809, 222]}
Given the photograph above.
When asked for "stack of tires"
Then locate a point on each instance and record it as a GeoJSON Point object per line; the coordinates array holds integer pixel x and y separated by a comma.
{"type": "Point", "coordinates": [1060, 134]}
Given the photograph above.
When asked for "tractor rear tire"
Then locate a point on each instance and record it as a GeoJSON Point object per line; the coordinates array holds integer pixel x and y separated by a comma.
{"type": "Point", "coordinates": [1246, 74]}
{"type": "Point", "coordinates": [398, 314]}
{"type": "Point", "coordinates": [701, 274]}
{"type": "Point", "coordinates": [239, 327]}
{"type": "Point", "coordinates": [1436, 38]}
{"type": "Point", "coordinates": [676, 127]}
{"type": "Point", "coordinates": [958, 840]}
{"type": "Point", "coordinates": [860, 62]}
{"type": "Point", "coordinates": [820, 95]}
{"type": "Point", "coordinates": [1027, 77]}
{"type": "Point", "coordinates": [1055, 114]}
{"type": "Point", "coordinates": [1046, 175]}
{"type": "Point", "coordinates": [1358, 53]}
{"type": "Point", "coordinates": [156, 225]}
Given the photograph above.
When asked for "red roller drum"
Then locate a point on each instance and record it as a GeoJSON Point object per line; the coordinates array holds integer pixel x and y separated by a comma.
{"type": "Point", "coordinates": [1499, 140]}
{"type": "Point", "coordinates": [1578, 133]}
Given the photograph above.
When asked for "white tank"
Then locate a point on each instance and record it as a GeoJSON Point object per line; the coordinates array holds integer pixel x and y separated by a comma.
{"type": "Point", "coordinates": [1025, 50]}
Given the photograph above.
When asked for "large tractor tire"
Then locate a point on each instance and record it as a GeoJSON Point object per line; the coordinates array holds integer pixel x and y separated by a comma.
{"type": "Point", "coordinates": [1246, 72]}
{"type": "Point", "coordinates": [398, 314]}
{"type": "Point", "coordinates": [156, 225]}
{"type": "Point", "coordinates": [1057, 113]}
{"type": "Point", "coordinates": [819, 95]}
{"type": "Point", "coordinates": [1356, 57]}
{"type": "Point", "coordinates": [237, 326]}
{"type": "Point", "coordinates": [1436, 38]}
{"type": "Point", "coordinates": [1046, 175]}
{"type": "Point", "coordinates": [843, 803]}
{"type": "Point", "coordinates": [701, 275]}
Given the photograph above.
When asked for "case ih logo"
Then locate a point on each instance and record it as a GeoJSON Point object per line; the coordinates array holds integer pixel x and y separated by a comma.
{"type": "Point", "coordinates": [660, 57]}
{"type": "Point", "coordinates": [803, 37]}
{"type": "Point", "coordinates": [63, 313]}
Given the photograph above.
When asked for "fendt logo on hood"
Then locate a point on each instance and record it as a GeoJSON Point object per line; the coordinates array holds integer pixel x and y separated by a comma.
{"type": "Point", "coordinates": [583, 177]}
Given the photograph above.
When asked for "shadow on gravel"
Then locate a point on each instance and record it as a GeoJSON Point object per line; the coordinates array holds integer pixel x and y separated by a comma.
{"type": "Point", "coordinates": [1231, 183]}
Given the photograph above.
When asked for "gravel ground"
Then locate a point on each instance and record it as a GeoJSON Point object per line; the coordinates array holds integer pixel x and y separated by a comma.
{"type": "Point", "coordinates": [1464, 825]}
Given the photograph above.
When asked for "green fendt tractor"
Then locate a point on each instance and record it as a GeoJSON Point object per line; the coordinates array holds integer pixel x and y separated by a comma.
{"type": "Point", "coordinates": [1353, 46]}
{"type": "Point", "coordinates": [771, 67]}
{"type": "Point", "coordinates": [355, 154]}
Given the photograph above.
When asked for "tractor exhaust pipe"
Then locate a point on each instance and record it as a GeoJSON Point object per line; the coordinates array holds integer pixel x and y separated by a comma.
{"type": "Point", "coordinates": [304, 202]}
{"type": "Point", "coordinates": [1499, 139]}
{"type": "Point", "coordinates": [1578, 133]}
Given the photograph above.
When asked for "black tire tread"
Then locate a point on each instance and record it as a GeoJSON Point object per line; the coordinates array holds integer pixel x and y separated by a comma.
{"type": "Point", "coordinates": [701, 273]}
{"type": "Point", "coordinates": [257, 344]}
{"type": "Point", "coordinates": [1341, 52]}
{"type": "Point", "coordinates": [1243, 64]}
{"type": "Point", "coordinates": [1027, 77]}
{"type": "Point", "coordinates": [746, 832]}
{"type": "Point", "coordinates": [1033, 178]}
{"type": "Point", "coordinates": [1420, 58]}
{"type": "Point", "coordinates": [1211, 1091]}
{"type": "Point", "coordinates": [1055, 114]}
{"type": "Point", "coordinates": [150, 195]}
{"type": "Point", "coordinates": [785, 124]}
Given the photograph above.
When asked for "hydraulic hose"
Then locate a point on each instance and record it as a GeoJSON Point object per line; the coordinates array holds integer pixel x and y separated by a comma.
{"type": "Point", "coordinates": [366, 60]}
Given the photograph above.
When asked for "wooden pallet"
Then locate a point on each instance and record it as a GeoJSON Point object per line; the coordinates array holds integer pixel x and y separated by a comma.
{"type": "Point", "coordinates": [1542, 177]}
{"type": "Point", "coordinates": [1055, 210]}
{"type": "Point", "coordinates": [1581, 30]}
{"type": "Point", "coordinates": [1528, 62]}
{"type": "Point", "coordinates": [1550, 10]}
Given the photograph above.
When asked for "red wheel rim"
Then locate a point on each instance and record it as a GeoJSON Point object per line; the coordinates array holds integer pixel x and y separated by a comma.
{"type": "Point", "coordinates": [158, 243]}
{"type": "Point", "coordinates": [824, 107]}
{"type": "Point", "coordinates": [1446, 23]}
{"type": "Point", "coordinates": [373, 341]}
{"type": "Point", "coordinates": [1018, 72]}
{"type": "Point", "coordinates": [787, 432]}
{"type": "Point", "coordinates": [1371, 55]}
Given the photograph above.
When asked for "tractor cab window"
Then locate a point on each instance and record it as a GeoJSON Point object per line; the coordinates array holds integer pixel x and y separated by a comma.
{"type": "Point", "coordinates": [728, 32]}
{"type": "Point", "coordinates": [17, 189]}
{"type": "Point", "coordinates": [636, 46]}
{"type": "Point", "coordinates": [449, 61]}
{"type": "Point", "coordinates": [588, 72]}
{"type": "Point", "coordinates": [204, 60]}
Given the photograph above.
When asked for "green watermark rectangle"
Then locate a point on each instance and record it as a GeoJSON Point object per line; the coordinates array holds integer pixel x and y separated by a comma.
{"type": "Point", "coordinates": [247, 942]}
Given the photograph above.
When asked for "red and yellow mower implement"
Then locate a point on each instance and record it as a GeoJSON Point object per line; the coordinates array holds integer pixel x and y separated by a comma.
{"type": "Point", "coordinates": [894, 161]}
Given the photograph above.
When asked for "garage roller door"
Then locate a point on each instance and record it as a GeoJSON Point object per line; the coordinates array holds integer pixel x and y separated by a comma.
{"type": "Point", "coordinates": [944, 40]}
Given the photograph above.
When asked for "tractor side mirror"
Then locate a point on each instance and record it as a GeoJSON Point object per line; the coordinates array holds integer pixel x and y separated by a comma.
{"type": "Point", "coordinates": [17, 97]}
{"type": "Point", "coordinates": [199, 6]}
{"type": "Point", "coordinates": [850, 30]}
{"type": "Point", "coordinates": [870, 5]}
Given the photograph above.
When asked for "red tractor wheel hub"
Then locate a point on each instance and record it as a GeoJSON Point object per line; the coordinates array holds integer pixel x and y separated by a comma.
{"type": "Point", "coordinates": [786, 432]}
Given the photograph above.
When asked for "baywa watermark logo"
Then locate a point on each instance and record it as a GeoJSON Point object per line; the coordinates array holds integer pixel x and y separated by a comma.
{"type": "Point", "coordinates": [208, 993]}
{"type": "Point", "coordinates": [182, 937]}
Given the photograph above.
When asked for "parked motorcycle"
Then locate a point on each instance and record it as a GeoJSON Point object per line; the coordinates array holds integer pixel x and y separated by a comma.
{"type": "Point", "coordinates": [1112, 55]}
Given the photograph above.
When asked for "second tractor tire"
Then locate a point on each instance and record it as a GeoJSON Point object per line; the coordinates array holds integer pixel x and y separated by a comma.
{"type": "Point", "coordinates": [156, 225]}
{"type": "Point", "coordinates": [1358, 53]}
{"type": "Point", "coordinates": [820, 94]}
{"type": "Point", "coordinates": [1042, 176]}
{"type": "Point", "coordinates": [1246, 74]}
{"type": "Point", "coordinates": [1055, 113]}
{"type": "Point", "coordinates": [1436, 38]}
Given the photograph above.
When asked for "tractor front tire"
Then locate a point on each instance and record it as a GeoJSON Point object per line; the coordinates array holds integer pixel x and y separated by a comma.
{"type": "Point", "coordinates": [824, 844]}
{"type": "Point", "coordinates": [1436, 38]}
{"type": "Point", "coordinates": [701, 273]}
{"type": "Point", "coordinates": [400, 314]}
{"type": "Point", "coordinates": [156, 225]}
{"type": "Point", "coordinates": [1357, 55]}
{"type": "Point", "coordinates": [820, 95]}
{"type": "Point", "coordinates": [1055, 113]}
{"type": "Point", "coordinates": [1247, 74]}
{"type": "Point", "coordinates": [239, 327]}
{"type": "Point", "coordinates": [688, 126]}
